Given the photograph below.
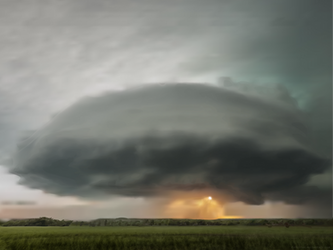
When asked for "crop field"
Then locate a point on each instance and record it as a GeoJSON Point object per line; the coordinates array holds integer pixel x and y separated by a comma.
{"type": "Point", "coordinates": [166, 237]}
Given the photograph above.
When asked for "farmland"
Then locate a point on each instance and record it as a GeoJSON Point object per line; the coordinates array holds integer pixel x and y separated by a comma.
{"type": "Point", "coordinates": [166, 237]}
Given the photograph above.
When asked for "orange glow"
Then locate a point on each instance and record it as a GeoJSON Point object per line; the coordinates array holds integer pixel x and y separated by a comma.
{"type": "Point", "coordinates": [205, 208]}
{"type": "Point", "coordinates": [232, 217]}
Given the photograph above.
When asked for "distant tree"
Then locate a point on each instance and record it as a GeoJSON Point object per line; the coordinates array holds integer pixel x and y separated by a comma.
{"type": "Point", "coordinates": [202, 222]}
{"type": "Point", "coordinates": [262, 222]}
{"type": "Point", "coordinates": [151, 222]}
{"type": "Point", "coordinates": [42, 221]}
{"type": "Point", "coordinates": [137, 223]}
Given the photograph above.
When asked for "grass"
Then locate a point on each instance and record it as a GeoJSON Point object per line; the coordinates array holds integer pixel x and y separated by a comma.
{"type": "Point", "coordinates": [168, 238]}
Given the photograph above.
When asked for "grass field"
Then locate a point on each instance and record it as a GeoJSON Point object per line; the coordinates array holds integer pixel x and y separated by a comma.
{"type": "Point", "coordinates": [168, 238]}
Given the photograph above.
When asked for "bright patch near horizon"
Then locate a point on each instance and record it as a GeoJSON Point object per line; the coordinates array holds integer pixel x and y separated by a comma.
{"type": "Point", "coordinates": [195, 209]}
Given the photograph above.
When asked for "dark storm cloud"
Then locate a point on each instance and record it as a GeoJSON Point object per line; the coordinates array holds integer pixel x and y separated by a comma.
{"type": "Point", "coordinates": [154, 140]}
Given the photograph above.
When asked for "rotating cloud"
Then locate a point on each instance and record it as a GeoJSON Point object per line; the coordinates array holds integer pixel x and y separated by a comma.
{"type": "Point", "coordinates": [156, 140]}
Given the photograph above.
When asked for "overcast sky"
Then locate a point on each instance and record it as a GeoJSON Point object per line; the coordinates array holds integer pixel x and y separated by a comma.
{"type": "Point", "coordinates": [106, 104]}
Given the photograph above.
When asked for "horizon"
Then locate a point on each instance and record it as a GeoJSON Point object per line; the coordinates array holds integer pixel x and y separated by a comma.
{"type": "Point", "coordinates": [124, 218]}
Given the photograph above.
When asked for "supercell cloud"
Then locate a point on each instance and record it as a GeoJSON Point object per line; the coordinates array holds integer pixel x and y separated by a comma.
{"type": "Point", "coordinates": [153, 140]}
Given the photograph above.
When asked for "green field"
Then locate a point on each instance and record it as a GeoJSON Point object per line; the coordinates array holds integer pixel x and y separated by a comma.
{"type": "Point", "coordinates": [166, 237]}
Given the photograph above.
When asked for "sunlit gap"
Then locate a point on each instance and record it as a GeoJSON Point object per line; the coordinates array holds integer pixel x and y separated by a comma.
{"type": "Point", "coordinates": [206, 208]}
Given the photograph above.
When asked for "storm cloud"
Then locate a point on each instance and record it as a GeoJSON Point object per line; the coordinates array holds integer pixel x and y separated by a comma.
{"type": "Point", "coordinates": [153, 140]}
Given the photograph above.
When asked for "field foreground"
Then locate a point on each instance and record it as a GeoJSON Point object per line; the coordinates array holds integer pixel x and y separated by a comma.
{"type": "Point", "coordinates": [168, 238]}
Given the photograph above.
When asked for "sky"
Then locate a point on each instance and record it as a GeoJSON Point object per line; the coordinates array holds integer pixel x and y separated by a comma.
{"type": "Point", "coordinates": [146, 108]}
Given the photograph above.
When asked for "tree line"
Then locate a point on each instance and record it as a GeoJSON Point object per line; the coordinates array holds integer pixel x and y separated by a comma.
{"type": "Point", "coordinates": [44, 221]}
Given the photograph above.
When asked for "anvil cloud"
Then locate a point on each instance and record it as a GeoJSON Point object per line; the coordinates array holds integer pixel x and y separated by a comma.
{"type": "Point", "coordinates": [153, 140]}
